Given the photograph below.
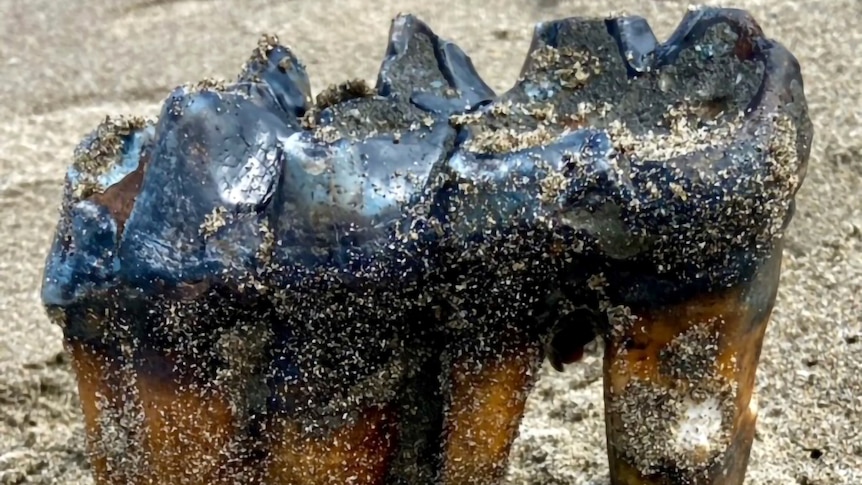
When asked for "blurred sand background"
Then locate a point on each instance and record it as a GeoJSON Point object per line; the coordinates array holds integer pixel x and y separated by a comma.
{"type": "Point", "coordinates": [64, 65]}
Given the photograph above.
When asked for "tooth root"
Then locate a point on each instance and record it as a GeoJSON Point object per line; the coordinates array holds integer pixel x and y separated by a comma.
{"type": "Point", "coordinates": [184, 422]}
{"type": "Point", "coordinates": [147, 424]}
{"type": "Point", "coordinates": [486, 400]}
{"type": "Point", "coordinates": [91, 373]}
{"type": "Point", "coordinates": [679, 382]}
{"type": "Point", "coordinates": [359, 452]}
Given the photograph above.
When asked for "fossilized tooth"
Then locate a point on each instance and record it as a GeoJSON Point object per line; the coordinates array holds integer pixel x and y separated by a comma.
{"type": "Point", "coordinates": [681, 226]}
{"type": "Point", "coordinates": [663, 176]}
{"type": "Point", "coordinates": [152, 275]}
{"type": "Point", "coordinates": [253, 286]}
{"type": "Point", "coordinates": [237, 282]}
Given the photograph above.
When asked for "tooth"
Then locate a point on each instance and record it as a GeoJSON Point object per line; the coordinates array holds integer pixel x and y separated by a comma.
{"type": "Point", "coordinates": [261, 288]}
{"type": "Point", "coordinates": [677, 228]}
{"type": "Point", "coordinates": [686, 327]}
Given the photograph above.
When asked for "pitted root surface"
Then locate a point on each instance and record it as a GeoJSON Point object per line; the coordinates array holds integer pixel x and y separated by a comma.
{"type": "Point", "coordinates": [663, 427]}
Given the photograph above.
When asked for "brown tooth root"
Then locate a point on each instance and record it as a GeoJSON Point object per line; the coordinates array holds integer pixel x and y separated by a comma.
{"type": "Point", "coordinates": [679, 386]}
{"type": "Point", "coordinates": [487, 396]}
{"type": "Point", "coordinates": [90, 370]}
{"type": "Point", "coordinates": [359, 452]}
{"type": "Point", "coordinates": [145, 428]}
{"type": "Point", "coordinates": [184, 426]}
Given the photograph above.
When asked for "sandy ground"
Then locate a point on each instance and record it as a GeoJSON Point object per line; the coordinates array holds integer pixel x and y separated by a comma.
{"type": "Point", "coordinates": [65, 65]}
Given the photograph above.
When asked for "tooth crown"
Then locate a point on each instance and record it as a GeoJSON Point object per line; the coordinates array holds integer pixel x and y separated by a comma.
{"type": "Point", "coordinates": [682, 157]}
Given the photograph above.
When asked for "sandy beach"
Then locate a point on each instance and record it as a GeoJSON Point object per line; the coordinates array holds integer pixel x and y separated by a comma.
{"type": "Point", "coordinates": [66, 65]}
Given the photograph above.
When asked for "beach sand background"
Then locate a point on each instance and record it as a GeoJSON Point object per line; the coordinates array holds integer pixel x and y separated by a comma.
{"type": "Point", "coordinates": [64, 65]}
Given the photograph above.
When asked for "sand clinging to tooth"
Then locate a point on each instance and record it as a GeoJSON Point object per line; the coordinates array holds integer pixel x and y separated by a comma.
{"type": "Point", "coordinates": [66, 65]}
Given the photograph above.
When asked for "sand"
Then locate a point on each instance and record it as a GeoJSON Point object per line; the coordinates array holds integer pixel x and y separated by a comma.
{"type": "Point", "coordinates": [65, 65]}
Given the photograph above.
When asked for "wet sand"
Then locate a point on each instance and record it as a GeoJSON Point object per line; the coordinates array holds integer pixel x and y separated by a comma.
{"type": "Point", "coordinates": [66, 65]}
